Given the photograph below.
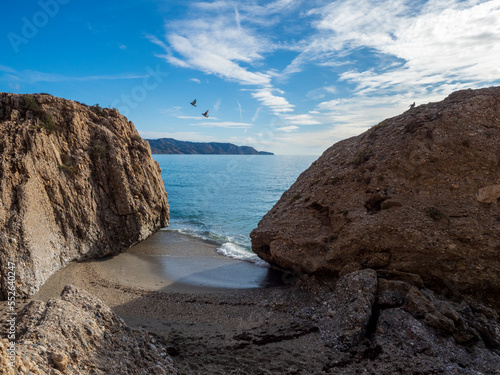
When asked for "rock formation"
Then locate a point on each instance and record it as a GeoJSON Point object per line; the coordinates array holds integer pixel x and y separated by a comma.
{"type": "Point", "coordinates": [76, 182]}
{"type": "Point", "coordinates": [398, 327]}
{"type": "Point", "coordinates": [416, 194]}
{"type": "Point", "coordinates": [78, 334]}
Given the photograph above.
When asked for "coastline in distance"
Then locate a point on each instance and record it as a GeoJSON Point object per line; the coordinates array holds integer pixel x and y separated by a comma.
{"type": "Point", "coordinates": [173, 146]}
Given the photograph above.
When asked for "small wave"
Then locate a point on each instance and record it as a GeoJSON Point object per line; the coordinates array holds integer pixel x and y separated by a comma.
{"type": "Point", "coordinates": [232, 250]}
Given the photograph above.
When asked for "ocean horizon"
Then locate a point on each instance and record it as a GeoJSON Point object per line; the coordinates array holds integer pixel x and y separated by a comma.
{"type": "Point", "coordinates": [221, 198]}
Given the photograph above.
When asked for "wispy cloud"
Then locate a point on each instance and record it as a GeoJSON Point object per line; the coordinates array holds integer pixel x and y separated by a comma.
{"type": "Point", "coordinates": [191, 136]}
{"type": "Point", "coordinates": [223, 124]}
{"type": "Point", "coordinates": [224, 38]}
{"type": "Point", "coordinates": [32, 76]}
{"type": "Point", "coordinates": [382, 55]}
{"type": "Point", "coordinates": [217, 105]}
{"type": "Point", "coordinates": [215, 46]}
{"type": "Point", "coordinates": [195, 80]}
{"type": "Point", "coordinates": [278, 104]}
{"type": "Point", "coordinates": [411, 43]}
{"type": "Point", "coordinates": [287, 129]}
{"type": "Point", "coordinates": [239, 109]}
{"type": "Point", "coordinates": [304, 119]}
{"type": "Point", "coordinates": [256, 114]}
{"type": "Point", "coordinates": [189, 117]}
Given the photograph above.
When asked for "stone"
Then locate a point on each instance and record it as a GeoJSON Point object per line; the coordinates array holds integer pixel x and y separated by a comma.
{"type": "Point", "coordinates": [352, 305]}
{"type": "Point", "coordinates": [445, 236]}
{"type": "Point", "coordinates": [439, 322]}
{"type": "Point", "coordinates": [69, 174]}
{"type": "Point", "coordinates": [488, 194]}
{"type": "Point", "coordinates": [416, 304]}
{"type": "Point", "coordinates": [63, 325]}
{"type": "Point", "coordinates": [60, 360]}
{"type": "Point", "coordinates": [419, 348]}
{"type": "Point", "coordinates": [392, 293]}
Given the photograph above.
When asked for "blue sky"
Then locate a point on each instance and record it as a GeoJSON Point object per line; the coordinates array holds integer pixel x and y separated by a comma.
{"type": "Point", "coordinates": [287, 76]}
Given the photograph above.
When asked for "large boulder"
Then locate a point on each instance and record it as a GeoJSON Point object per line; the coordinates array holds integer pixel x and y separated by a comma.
{"type": "Point", "coordinates": [79, 334]}
{"type": "Point", "coordinates": [417, 193]}
{"type": "Point", "coordinates": [76, 182]}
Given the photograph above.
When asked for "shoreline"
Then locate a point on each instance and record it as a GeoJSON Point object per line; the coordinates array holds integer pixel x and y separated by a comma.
{"type": "Point", "coordinates": [168, 261]}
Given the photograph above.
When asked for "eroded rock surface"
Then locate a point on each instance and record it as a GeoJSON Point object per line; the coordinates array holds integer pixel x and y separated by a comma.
{"type": "Point", "coordinates": [76, 182]}
{"type": "Point", "coordinates": [417, 193]}
{"type": "Point", "coordinates": [78, 334]}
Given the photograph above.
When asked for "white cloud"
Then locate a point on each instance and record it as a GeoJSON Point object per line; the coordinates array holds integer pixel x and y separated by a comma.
{"type": "Point", "coordinates": [216, 44]}
{"type": "Point", "coordinates": [189, 117]}
{"type": "Point", "coordinates": [437, 43]}
{"type": "Point", "coordinates": [195, 80]}
{"type": "Point", "coordinates": [277, 104]}
{"type": "Point", "coordinates": [239, 110]}
{"type": "Point", "coordinates": [191, 136]}
{"type": "Point", "coordinates": [33, 76]}
{"type": "Point", "coordinates": [176, 110]}
{"type": "Point", "coordinates": [379, 56]}
{"type": "Point", "coordinates": [224, 124]}
{"type": "Point", "coordinates": [304, 119]}
{"type": "Point", "coordinates": [287, 129]}
{"type": "Point", "coordinates": [224, 38]}
{"type": "Point", "coordinates": [256, 114]}
{"type": "Point", "coordinates": [217, 105]}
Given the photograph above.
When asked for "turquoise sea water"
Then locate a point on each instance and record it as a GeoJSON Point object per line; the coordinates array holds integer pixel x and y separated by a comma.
{"type": "Point", "coordinates": [223, 197]}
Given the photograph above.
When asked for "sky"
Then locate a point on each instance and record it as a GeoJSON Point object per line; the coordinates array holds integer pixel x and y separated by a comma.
{"type": "Point", "coordinates": [286, 76]}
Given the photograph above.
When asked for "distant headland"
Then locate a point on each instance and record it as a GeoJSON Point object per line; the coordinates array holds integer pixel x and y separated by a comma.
{"type": "Point", "coordinates": [173, 146]}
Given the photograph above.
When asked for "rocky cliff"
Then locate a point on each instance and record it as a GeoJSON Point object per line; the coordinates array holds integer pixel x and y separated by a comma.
{"type": "Point", "coordinates": [415, 194]}
{"type": "Point", "coordinates": [173, 146]}
{"type": "Point", "coordinates": [76, 182]}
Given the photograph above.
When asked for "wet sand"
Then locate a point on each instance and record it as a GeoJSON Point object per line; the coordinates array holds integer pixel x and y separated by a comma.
{"type": "Point", "coordinates": [168, 261]}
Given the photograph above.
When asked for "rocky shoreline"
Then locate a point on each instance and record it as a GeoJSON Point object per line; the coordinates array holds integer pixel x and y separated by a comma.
{"type": "Point", "coordinates": [364, 323]}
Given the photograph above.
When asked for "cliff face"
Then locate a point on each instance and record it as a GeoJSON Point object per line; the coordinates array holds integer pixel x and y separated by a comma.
{"type": "Point", "coordinates": [418, 193]}
{"type": "Point", "coordinates": [76, 182]}
{"type": "Point", "coordinates": [173, 146]}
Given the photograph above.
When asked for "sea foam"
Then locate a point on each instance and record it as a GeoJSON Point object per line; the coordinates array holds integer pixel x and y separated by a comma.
{"type": "Point", "coordinates": [235, 251]}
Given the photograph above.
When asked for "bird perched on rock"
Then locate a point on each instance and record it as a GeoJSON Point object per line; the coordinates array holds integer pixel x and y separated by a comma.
{"type": "Point", "coordinates": [205, 114]}
{"type": "Point", "coordinates": [193, 103]}
{"type": "Point", "coordinates": [412, 105]}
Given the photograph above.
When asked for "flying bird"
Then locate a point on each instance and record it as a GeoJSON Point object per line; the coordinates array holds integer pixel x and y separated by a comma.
{"type": "Point", "coordinates": [205, 114]}
{"type": "Point", "coordinates": [412, 105]}
{"type": "Point", "coordinates": [193, 103]}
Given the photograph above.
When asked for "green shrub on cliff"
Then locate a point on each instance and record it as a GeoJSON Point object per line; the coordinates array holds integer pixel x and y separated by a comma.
{"type": "Point", "coordinates": [30, 103]}
{"type": "Point", "coordinates": [48, 123]}
{"type": "Point", "coordinates": [100, 150]}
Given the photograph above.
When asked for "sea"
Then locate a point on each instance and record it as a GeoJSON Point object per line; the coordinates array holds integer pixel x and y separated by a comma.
{"type": "Point", "coordinates": [221, 198]}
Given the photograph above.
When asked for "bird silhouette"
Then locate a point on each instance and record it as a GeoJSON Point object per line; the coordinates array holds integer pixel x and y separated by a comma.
{"type": "Point", "coordinates": [412, 105]}
{"type": "Point", "coordinates": [205, 114]}
{"type": "Point", "coordinates": [193, 103]}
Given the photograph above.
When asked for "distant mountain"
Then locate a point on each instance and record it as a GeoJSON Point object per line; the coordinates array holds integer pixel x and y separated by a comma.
{"type": "Point", "coordinates": [173, 146]}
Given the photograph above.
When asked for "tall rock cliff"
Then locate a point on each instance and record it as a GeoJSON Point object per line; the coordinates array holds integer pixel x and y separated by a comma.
{"type": "Point", "coordinates": [417, 193]}
{"type": "Point", "coordinates": [76, 182]}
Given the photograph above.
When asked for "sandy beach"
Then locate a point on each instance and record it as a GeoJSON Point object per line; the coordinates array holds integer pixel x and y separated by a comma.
{"type": "Point", "coordinates": [215, 314]}
{"type": "Point", "coordinates": [168, 261]}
